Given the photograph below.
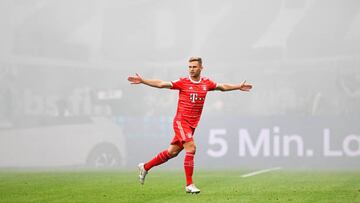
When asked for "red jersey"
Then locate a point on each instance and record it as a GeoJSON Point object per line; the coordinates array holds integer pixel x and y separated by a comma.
{"type": "Point", "coordinates": [191, 98]}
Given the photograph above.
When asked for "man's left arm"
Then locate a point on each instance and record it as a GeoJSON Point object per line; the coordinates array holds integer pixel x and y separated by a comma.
{"type": "Point", "coordinates": [244, 86]}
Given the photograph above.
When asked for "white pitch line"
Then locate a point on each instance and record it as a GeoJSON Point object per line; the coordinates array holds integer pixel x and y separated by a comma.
{"type": "Point", "coordinates": [260, 172]}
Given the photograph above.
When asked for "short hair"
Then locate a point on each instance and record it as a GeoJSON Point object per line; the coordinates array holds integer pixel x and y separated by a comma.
{"type": "Point", "coordinates": [198, 59]}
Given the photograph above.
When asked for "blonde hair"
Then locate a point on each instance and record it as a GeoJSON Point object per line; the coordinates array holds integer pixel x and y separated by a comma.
{"type": "Point", "coordinates": [194, 58]}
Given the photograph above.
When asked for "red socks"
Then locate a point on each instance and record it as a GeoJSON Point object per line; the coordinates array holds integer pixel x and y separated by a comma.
{"type": "Point", "coordinates": [162, 157]}
{"type": "Point", "coordinates": [189, 167]}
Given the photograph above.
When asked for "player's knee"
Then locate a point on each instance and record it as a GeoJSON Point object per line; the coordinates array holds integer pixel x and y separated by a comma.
{"type": "Point", "coordinates": [173, 153]}
{"type": "Point", "coordinates": [191, 149]}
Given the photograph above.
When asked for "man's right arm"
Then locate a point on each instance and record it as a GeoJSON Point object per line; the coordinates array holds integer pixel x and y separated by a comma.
{"type": "Point", "coordinates": [137, 79]}
{"type": "Point", "coordinates": [157, 83]}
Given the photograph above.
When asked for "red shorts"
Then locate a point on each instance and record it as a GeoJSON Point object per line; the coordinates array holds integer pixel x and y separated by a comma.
{"type": "Point", "coordinates": [183, 133]}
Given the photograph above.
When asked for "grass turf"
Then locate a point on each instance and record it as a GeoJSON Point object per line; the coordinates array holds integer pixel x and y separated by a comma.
{"type": "Point", "coordinates": [168, 186]}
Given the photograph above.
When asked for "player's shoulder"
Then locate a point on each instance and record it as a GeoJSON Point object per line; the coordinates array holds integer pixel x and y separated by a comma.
{"type": "Point", "coordinates": [184, 79]}
{"type": "Point", "coordinates": [206, 79]}
{"type": "Point", "coordinates": [181, 79]}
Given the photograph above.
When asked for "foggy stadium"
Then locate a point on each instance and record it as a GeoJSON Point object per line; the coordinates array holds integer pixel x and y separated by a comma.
{"type": "Point", "coordinates": [69, 115]}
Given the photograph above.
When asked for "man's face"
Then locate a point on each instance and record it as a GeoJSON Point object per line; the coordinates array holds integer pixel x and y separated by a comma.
{"type": "Point", "coordinates": [194, 69]}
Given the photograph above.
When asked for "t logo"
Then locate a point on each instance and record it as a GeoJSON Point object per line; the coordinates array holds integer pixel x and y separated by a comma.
{"type": "Point", "coordinates": [193, 97]}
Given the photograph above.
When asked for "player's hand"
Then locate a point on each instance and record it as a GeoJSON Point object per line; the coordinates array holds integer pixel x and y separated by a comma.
{"type": "Point", "coordinates": [244, 86]}
{"type": "Point", "coordinates": [137, 79]}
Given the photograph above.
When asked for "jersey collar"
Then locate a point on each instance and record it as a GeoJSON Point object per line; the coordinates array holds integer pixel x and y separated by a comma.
{"type": "Point", "coordinates": [194, 80]}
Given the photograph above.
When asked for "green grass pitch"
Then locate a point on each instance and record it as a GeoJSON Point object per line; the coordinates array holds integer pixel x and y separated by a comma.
{"type": "Point", "coordinates": [168, 186]}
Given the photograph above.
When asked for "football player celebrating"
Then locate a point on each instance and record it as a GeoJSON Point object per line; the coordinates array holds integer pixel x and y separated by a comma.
{"type": "Point", "coordinates": [192, 93]}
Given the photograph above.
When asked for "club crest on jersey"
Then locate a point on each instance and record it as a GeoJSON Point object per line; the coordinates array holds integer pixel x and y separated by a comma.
{"type": "Point", "coordinates": [204, 87]}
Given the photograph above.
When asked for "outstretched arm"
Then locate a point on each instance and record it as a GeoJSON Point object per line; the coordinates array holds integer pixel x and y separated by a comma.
{"type": "Point", "coordinates": [137, 79]}
{"type": "Point", "coordinates": [244, 86]}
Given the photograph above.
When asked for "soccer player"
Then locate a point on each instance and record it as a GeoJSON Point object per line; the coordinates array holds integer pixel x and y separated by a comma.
{"type": "Point", "coordinates": [192, 93]}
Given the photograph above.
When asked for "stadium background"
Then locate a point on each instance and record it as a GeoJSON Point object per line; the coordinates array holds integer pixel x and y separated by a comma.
{"type": "Point", "coordinates": [65, 101]}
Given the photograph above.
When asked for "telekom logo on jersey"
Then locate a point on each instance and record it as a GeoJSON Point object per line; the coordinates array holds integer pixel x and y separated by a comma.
{"type": "Point", "coordinates": [193, 97]}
